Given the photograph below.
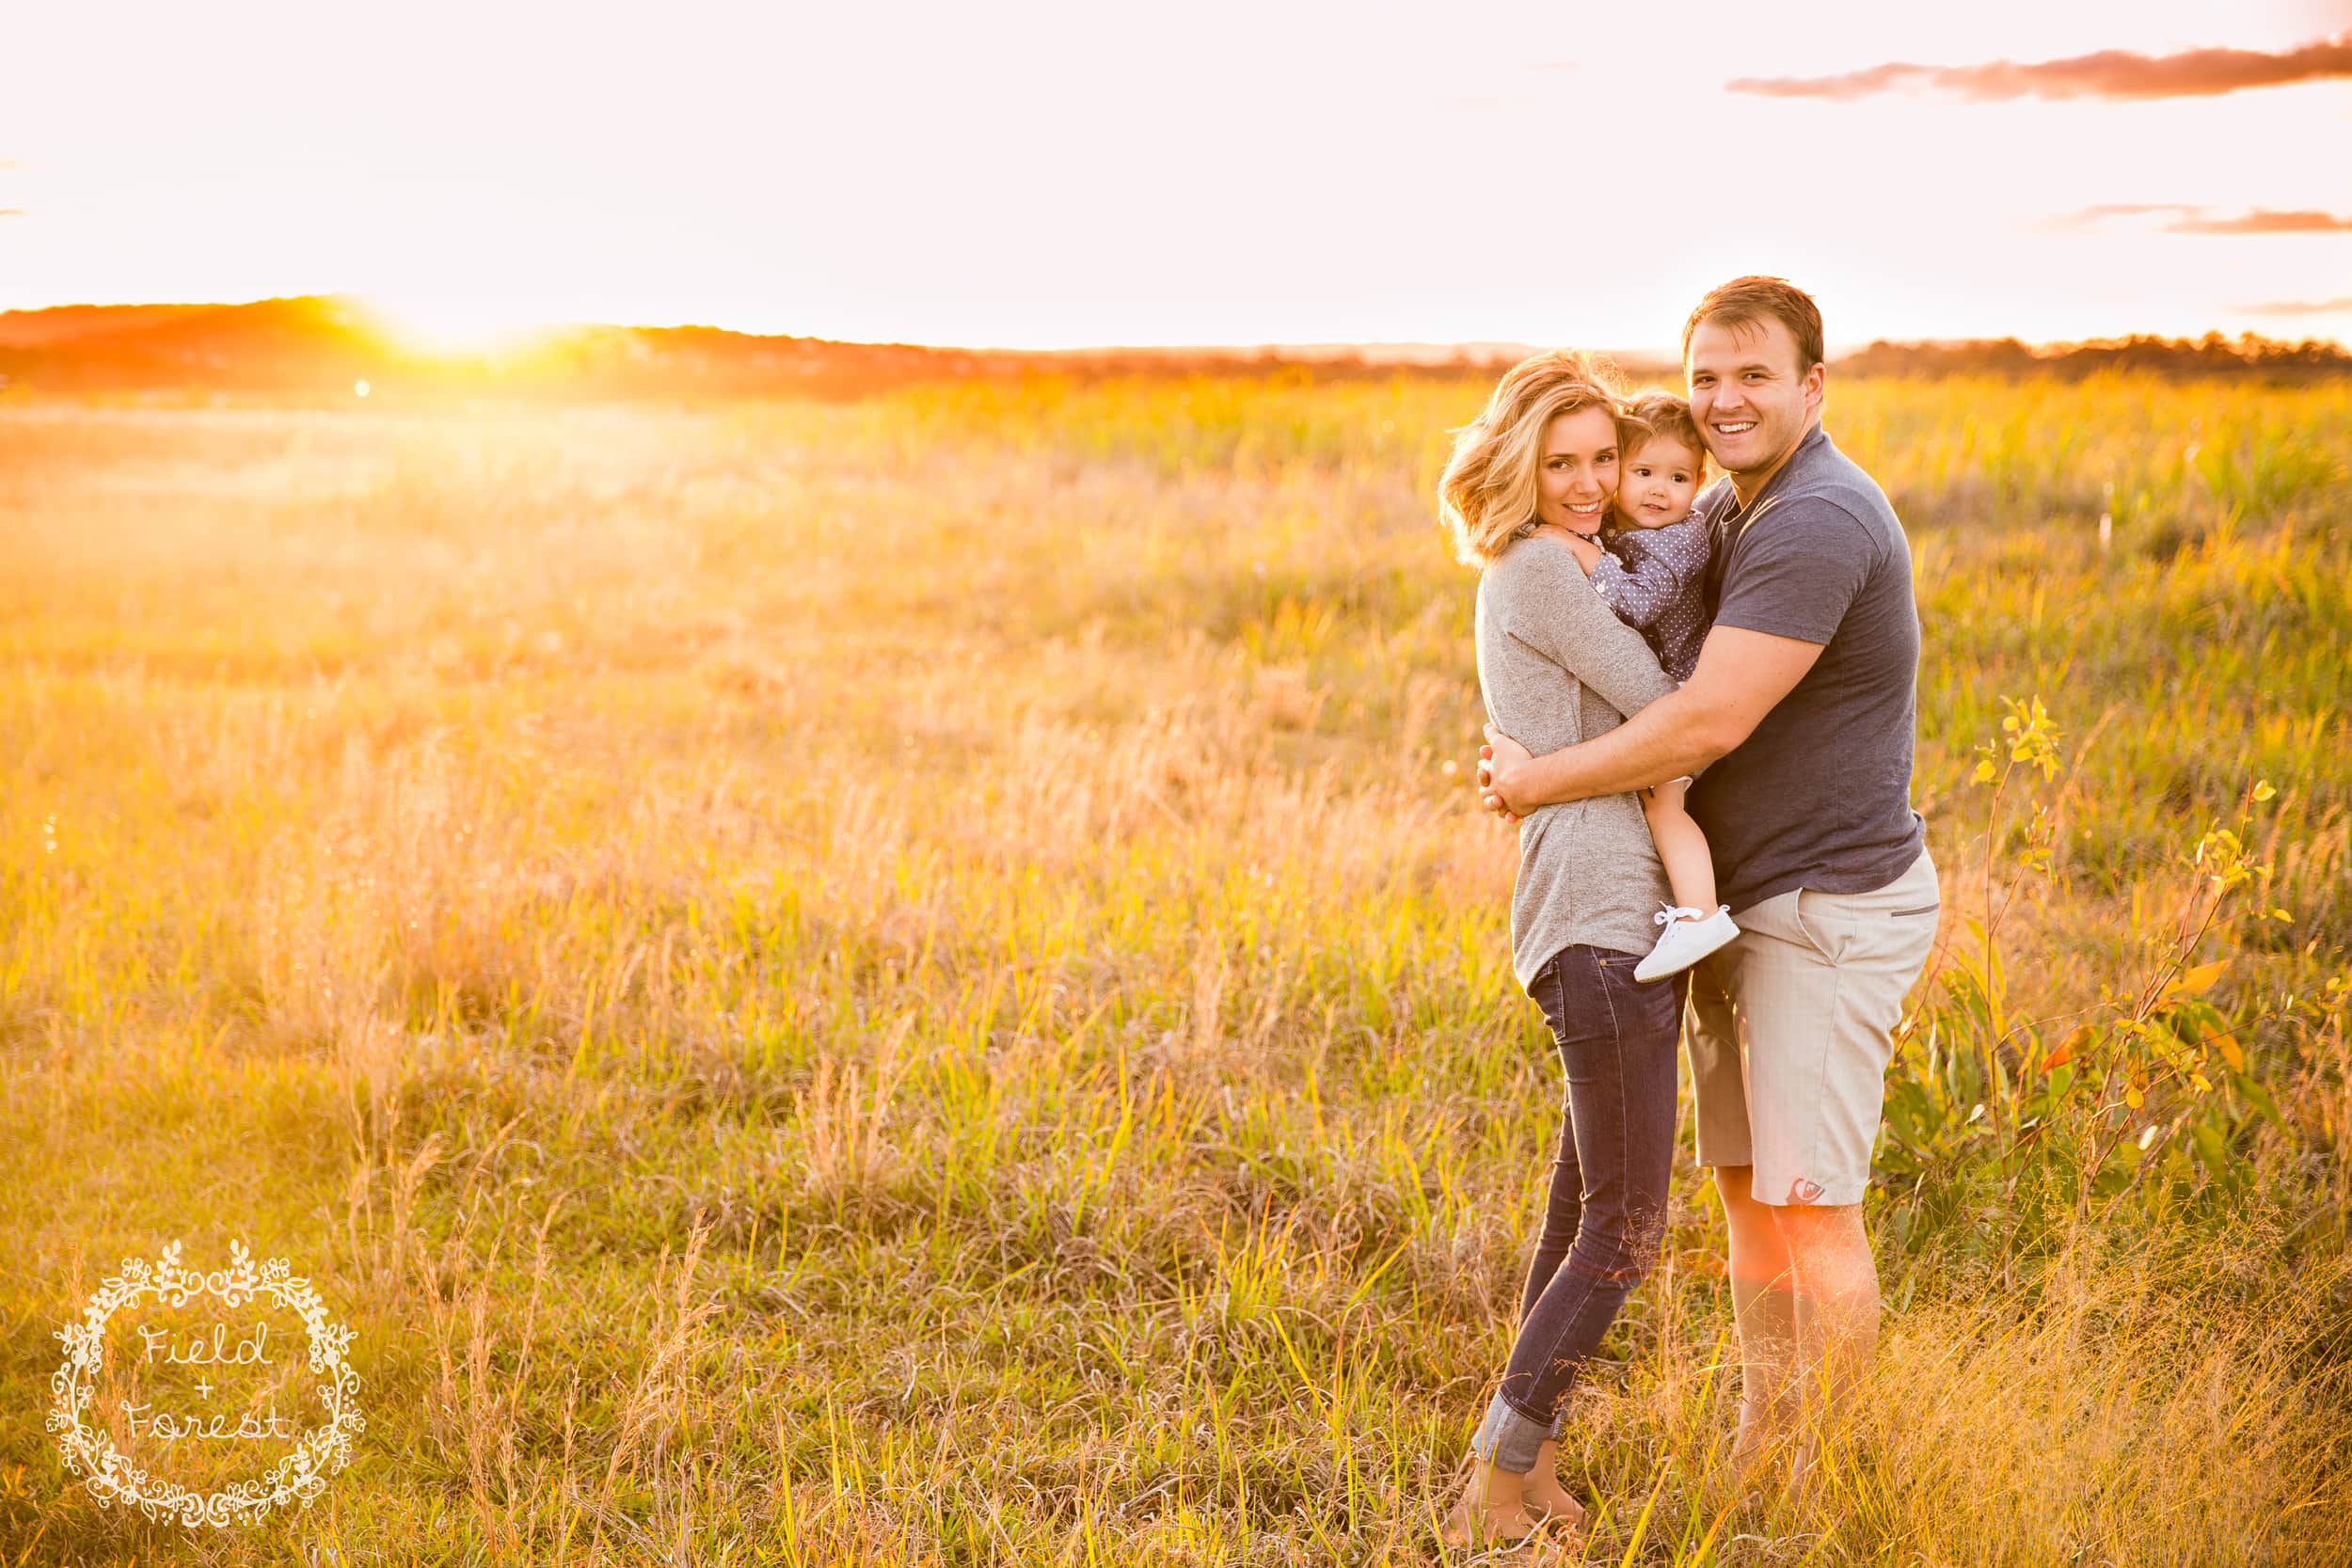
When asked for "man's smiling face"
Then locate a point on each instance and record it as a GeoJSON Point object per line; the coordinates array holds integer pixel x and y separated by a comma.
{"type": "Point", "coordinates": [1752, 397]}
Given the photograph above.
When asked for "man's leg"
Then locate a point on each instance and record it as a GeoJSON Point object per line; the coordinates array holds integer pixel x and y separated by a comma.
{"type": "Point", "coordinates": [1764, 1311]}
{"type": "Point", "coordinates": [1836, 1298]}
{"type": "Point", "coordinates": [1822, 983]}
{"type": "Point", "coordinates": [1760, 1270]}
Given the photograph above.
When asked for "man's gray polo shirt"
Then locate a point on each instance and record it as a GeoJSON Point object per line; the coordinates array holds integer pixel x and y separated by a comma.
{"type": "Point", "coordinates": [1820, 795]}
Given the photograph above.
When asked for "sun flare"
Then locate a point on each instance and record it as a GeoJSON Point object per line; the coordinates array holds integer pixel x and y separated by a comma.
{"type": "Point", "coordinates": [437, 326]}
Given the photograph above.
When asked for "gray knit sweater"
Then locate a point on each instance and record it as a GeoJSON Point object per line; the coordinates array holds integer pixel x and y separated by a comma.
{"type": "Point", "coordinates": [1558, 666]}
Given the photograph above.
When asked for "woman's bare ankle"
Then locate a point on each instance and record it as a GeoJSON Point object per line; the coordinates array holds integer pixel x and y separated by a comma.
{"type": "Point", "coordinates": [1493, 1507]}
{"type": "Point", "coordinates": [1542, 1494]}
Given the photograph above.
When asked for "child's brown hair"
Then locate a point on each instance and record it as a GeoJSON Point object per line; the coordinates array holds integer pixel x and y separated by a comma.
{"type": "Point", "coordinates": [1659, 416]}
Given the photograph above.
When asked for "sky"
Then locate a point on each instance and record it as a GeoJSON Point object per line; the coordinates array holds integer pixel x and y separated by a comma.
{"type": "Point", "coordinates": [1051, 175]}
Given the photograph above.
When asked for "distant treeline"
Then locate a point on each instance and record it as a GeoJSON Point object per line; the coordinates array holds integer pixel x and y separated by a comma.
{"type": "Point", "coordinates": [327, 345]}
{"type": "Point", "coordinates": [2178, 358]}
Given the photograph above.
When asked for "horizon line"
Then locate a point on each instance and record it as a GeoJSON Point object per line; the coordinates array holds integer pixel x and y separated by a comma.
{"type": "Point", "coordinates": [1428, 347]}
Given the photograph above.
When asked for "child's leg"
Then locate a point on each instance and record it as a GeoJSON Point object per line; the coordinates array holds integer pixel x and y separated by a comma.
{"type": "Point", "coordinates": [1681, 847]}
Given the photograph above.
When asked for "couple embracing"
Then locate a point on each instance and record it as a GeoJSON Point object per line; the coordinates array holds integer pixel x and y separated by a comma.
{"type": "Point", "coordinates": [1701, 707]}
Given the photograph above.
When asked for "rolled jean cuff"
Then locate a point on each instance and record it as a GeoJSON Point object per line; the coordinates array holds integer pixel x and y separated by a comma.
{"type": "Point", "coordinates": [1508, 1440]}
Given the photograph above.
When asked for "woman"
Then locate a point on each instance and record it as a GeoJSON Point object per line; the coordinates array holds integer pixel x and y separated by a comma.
{"type": "Point", "coordinates": [1536, 469]}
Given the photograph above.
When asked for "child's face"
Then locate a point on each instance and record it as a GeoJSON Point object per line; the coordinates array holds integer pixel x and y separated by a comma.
{"type": "Point", "coordinates": [1657, 482]}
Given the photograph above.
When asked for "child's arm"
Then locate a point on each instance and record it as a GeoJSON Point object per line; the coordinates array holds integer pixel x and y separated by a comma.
{"type": "Point", "coordinates": [1640, 580]}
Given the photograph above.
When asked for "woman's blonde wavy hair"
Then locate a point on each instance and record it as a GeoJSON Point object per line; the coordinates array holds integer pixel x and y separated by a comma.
{"type": "Point", "coordinates": [1488, 497]}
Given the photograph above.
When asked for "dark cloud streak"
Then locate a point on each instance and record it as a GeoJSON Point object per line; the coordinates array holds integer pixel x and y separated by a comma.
{"type": "Point", "coordinates": [2109, 74]}
{"type": "Point", "coordinates": [2187, 219]}
{"type": "Point", "coordinates": [2260, 222]}
{"type": "Point", "coordinates": [2300, 308]}
{"type": "Point", "coordinates": [2124, 210]}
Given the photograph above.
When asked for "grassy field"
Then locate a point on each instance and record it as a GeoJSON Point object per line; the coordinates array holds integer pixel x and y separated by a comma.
{"type": "Point", "coordinates": [919, 981]}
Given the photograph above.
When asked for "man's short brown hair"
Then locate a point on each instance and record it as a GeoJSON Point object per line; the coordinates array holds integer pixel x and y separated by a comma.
{"type": "Point", "coordinates": [1658, 417]}
{"type": "Point", "coordinates": [1752, 301]}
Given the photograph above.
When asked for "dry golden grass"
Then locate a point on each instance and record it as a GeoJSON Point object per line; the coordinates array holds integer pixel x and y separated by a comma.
{"type": "Point", "coordinates": [917, 982]}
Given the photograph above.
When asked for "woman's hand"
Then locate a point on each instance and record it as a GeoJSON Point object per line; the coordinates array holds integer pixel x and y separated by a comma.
{"type": "Point", "coordinates": [1584, 547]}
{"type": "Point", "coordinates": [1498, 762]}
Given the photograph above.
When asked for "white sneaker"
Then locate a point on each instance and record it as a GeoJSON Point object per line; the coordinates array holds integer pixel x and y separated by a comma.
{"type": "Point", "coordinates": [1685, 941]}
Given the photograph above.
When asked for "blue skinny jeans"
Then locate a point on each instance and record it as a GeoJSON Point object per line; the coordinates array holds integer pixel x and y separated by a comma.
{"type": "Point", "coordinates": [1605, 1213]}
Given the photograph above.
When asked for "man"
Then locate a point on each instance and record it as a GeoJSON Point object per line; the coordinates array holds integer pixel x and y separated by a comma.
{"type": "Point", "coordinates": [1805, 702]}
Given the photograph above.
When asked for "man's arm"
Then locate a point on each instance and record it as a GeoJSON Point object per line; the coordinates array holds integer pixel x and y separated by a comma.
{"type": "Point", "coordinates": [1741, 675]}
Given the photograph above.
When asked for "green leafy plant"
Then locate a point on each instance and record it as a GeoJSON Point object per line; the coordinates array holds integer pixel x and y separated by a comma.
{"type": "Point", "coordinates": [2144, 1091]}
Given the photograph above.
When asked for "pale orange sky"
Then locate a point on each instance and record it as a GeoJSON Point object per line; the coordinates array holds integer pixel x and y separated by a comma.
{"type": "Point", "coordinates": [1053, 175]}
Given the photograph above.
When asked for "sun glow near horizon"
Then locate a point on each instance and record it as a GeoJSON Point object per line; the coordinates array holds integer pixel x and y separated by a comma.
{"type": "Point", "coordinates": [436, 325]}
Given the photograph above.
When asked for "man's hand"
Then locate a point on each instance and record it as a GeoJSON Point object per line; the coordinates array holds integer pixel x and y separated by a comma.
{"type": "Point", "coordinates": [1498, 762]}
{"type": "Point", "coordinates": [1486, 797]}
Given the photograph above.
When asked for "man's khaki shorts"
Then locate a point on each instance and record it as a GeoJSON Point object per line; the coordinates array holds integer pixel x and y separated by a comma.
{"type": "Point", "coordinates": [1791, 1028]}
